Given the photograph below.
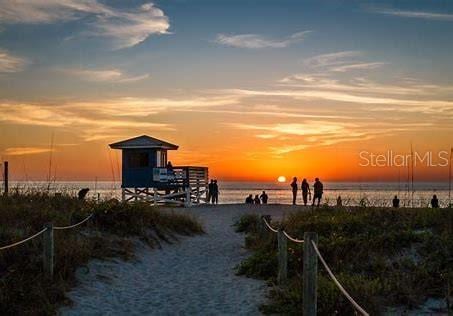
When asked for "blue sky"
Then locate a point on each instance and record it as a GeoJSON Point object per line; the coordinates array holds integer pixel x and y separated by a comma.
{"type": "Point", "coordinates": [418, 46]}
{"type": "Point", "coordinates": [305, 74]}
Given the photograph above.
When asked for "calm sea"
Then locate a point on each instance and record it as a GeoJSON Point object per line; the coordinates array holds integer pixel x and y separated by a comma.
{"type": "Point", "coordinates": [352, 193]}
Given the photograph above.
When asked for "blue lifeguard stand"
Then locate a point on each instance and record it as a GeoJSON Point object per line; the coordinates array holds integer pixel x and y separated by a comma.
{"type": "Point", "coordinates": [146, 175]}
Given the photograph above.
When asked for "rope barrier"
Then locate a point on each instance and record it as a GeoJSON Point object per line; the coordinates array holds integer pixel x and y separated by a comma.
{"type": "Point", "coordinates": [23, 241]}
{"type": "Point", "coordinates": [269, 226]}
{"type": "Point", "coordinates": [337, 283]}
{"type": "Point", "coordinates": [72, 226]}
{"type": "Point", "coordinates": [293, 239]}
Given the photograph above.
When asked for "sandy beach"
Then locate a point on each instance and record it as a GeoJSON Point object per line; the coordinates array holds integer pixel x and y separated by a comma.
{"type": "Point", "coordinates": [195, 276]}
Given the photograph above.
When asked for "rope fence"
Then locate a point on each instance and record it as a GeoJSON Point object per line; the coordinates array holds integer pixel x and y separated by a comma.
{"type": "Point", "coordinates": [269, 226]}
{"type": "Point", "coordinates": [337, 283]}
{"type": "Point", "coordinates": [73, 226]}
{"type": "Point", "coordinates": [310, 269]}
{"type": "Point", "coordinates": [23, 241]}
{"type": "Point", "coordinates": [293, 239]}
{"type": "Point", "coordinates": [47, 244]}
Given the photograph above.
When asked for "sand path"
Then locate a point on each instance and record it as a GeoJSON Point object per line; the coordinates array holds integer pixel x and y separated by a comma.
{"type": "Point", "coordinates": [193, 277]}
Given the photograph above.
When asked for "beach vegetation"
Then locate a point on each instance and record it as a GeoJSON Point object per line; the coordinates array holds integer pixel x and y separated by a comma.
{"type": "Point", "coordinates": [384, 257]}
{"type": "Point", "coordinates": [113, 231]}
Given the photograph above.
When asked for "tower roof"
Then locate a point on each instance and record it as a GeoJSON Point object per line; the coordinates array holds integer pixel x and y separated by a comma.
{"type": "Point", "coordinates": [143, 141]}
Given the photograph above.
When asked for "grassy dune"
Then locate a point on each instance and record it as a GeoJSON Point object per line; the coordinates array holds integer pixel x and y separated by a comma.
{"type": "Point", "coordinates": [111, 232]}
{"type": "Point", "coordinates": [383, 257]}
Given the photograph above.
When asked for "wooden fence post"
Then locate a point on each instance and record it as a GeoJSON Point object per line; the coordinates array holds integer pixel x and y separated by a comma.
{"type": "Point", "coordinates": [48, 251]}
{"type": "Point", "coordinates": [310, 275]}
{"type": "Point", "coordinates": [282, 256]}
{"type": "Point", "coordinates": [188, 202]}
{"type": "Point", "coordinates": [6, 177]}
{"type": "Point", "coordinates": [155, 196]}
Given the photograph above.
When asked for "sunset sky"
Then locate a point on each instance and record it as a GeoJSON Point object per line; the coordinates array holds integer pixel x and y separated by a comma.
{"type": "Point", "coordinates": [251, 89]}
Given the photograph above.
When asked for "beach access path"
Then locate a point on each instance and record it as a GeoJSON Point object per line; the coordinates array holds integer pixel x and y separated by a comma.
{"type": "Point", "coordinates": [194, 276]}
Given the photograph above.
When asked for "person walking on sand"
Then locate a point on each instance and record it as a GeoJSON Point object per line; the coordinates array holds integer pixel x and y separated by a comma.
{"type": "Point", "coordinates": [435, 202]}
{"type": "Point", "coordinates": [294, 189]}
{"type": "Point", "coordinates": [264, 197]}
{"type": "Point", "coordinates": [318, 189]}
{"type": "Point", "coordinates": [215, 193]}
{"type": "Point", "coordinates": [305, 191]}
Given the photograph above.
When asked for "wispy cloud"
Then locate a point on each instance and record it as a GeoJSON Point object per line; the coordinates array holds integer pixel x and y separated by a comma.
{"type": "Point", "coordinates": [125, 28]}
{"type": "Point", "coordinates": [417, 14]}
{"type": "Point", "coordinates": [345, 97]}
{"type": "Point", "coordinates": [20, 151]}
{"type": "Point", "coordinates": [48, 11]}
{"type": "Point", "coordinates": [358, 66]}
{"type": "Point", "coordinates": [102, 75]}
{"type": "Point", "coordinates": [255, 41]}
{"type": "Point", "coordinates": [364, 86]}
{"type": "Point", "coordinates": [10, 63]}
{"type": "Point", "coordinates": [331, 59]}
{"type": "Point", "coordinates": [94, 120]}
{"type": "Point", "coordinates": [340, 62]}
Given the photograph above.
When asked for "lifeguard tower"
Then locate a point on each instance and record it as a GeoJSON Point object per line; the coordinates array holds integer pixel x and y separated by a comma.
{"type": "Point", "coordinates": [146, 176]}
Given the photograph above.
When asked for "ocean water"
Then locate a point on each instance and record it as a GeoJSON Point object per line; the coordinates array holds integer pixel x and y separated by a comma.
{"type": "Point", "coordinates": [352, 193]}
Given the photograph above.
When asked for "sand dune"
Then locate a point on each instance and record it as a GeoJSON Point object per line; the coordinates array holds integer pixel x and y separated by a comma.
{"type": "Point", "coordinates": [193, 277]}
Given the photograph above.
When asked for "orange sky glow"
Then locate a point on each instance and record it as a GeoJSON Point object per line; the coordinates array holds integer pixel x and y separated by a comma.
{"type": "Point", "coordinates": [255, 93]}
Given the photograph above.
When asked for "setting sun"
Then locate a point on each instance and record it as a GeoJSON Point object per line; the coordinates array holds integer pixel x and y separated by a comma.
{"type": "Point", "coordinates": [281, 179]}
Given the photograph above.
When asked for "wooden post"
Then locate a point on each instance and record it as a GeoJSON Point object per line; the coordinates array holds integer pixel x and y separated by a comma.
{"type": "Point", "coordinates": [310, 275]}
{"type": "Point", "coordinates": [123, 194]}
{"type": "Point", "coordinates": [188, 202]}
{"type": "Point", "coordinates": [282, 257]}
{"type": "Point", "coordinates": [6, 177]}
{"type": "Point", "coordinates": [155, 196]}
{"type": "Point", "coordinates": [48, 251]}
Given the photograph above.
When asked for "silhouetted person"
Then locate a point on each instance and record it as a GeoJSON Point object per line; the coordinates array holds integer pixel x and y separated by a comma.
{"type": "Point", "coordinates": [435, 202]}
{"type": "Point", "coordinates": [264, 197]}
{"type": "Point", "coordinates": [294, 189]}
{"type": "Point", "coordinates": [210, 190]}
{"type": "Point", "coordinates": [396, 202]}
{"type": "Point", "coordinates": [83, 193]}
{"type": "Point", "coordinates": [318, 189]}
{"type": "Point", "coordinates": [257, 199]}
{"type": "Point", "coordinates": [249, 199]}
{"type": "Point", "coordinates": [339, 201]}
{"type": "Point", "coordinates": [215, 193]}
{"type": "Point", "coordinates": [305, 191]}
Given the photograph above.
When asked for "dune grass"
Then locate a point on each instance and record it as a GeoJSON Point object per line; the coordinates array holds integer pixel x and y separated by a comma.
{"type": "Point", "coordinates": [383, 257]}
{"type": "Point", "coordinates": [111, 232]}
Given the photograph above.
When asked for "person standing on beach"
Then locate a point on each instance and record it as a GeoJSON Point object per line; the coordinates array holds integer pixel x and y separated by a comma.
{"type": "Point", "coordinates": [435, 202]}
{"type": "Point", "coordinates": [318, 189]}
{"type": "Point", "coordinates": [339, 201]}
{"type": "Point", "coordinates": [305, 191]}
{"type": "Point", "coordinates": [210, 190]}
{"type": "Point", "coordinates": [294, 189]}
{"type": "Point", "coordinates": [264, 197]}
{"type": "Point", "coordinates": [396, 202]}
{"type": "Point", "coordinates": [257, 199]}
{"type": "Point", "coordinates": [215, 193]}
{"type": "Point", "coordinates": [249, 199]}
